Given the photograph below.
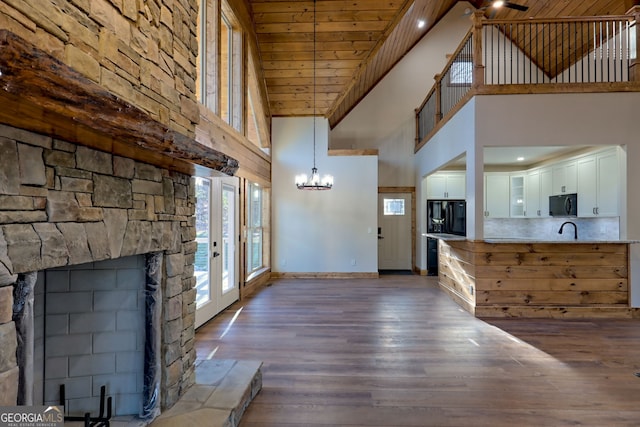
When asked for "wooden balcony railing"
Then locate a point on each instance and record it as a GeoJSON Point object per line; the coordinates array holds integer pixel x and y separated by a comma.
{"type": "Point", "coordinates": [534, 55]}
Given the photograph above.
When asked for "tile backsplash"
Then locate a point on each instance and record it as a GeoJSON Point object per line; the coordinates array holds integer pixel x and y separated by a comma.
{"type": "Point", "coordinates": [547, 228]}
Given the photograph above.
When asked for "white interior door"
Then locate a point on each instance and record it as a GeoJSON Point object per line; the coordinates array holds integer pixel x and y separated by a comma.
{"type": "Point", "coordinates": [216, 266]}
{"type": "Point", "coordinates": [394, 236]}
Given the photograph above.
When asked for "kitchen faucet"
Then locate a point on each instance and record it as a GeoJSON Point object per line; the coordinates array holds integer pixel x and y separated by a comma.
{"type": "Point", "coordinates": [575, 228]}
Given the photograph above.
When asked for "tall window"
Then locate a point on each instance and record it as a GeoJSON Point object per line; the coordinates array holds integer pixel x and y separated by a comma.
{"type": "Point", "coordinates": [254, 132]}
{"type": "Point", "coordinates": [226, 71]}
{"type": "Point", "coordinates": [231, 70]}
{"type": "Point", "coordinates": [255, 220]}
{"type": "Point", "coordinates": [220, 77]}
{"type": "Point", "coordinates": [207, 58]}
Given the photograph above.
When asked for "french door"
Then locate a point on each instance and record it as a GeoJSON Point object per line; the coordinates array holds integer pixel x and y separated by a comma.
{"type": "Point", "coordinates": [216, 265]}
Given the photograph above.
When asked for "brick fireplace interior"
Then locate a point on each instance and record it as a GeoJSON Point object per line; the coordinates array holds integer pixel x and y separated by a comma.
{"type": "Point", "coordinates": [89, 332]}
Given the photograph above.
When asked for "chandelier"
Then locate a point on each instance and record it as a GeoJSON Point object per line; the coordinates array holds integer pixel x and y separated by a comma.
{"type": "Point", "coordinates": [303, 182]}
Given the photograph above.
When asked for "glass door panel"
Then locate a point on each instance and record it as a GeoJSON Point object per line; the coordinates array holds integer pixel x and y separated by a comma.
{"type": "Point", "coordinates": [216, 256]}
{"type": "Point", "coordinates": [206, 306]}
{"type": "Point", "coordinates": [228, 196]}
{"type": "Point", "coordinates": [229, 211]}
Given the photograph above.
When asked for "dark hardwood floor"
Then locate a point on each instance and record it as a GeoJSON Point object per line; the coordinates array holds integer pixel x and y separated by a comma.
{"type": "Point", "coordinates": [397, 352]}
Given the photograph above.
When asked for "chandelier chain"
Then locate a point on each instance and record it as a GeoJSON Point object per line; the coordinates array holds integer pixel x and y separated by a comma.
{"type": "Point", "coordinates": [314, 84]}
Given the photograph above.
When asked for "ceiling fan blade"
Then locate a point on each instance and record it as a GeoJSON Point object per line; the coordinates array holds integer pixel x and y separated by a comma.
{"type": "Point", "coordinates": [516, 6]}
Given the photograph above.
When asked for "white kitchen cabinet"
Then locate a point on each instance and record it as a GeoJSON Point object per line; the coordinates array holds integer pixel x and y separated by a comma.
{"type": "Point", "coordinates": [456, 186]}
{"type": "Point", "coordinates": [587, 199]}
{"type": "Point", "coordinates": [532, 194]}
{"type": "Point", "coordinates": [446, 185]}
{"type": "Point", "coordinates": [496, 195]}
{"type": "Point", "coordinates": [537, 189]}
{"type": "Point", "coordinates": [565, 178]}
{"type": "Point", "coordinates": [546, 190]}
{"type": "Point", "coordinates": [608, 183]}
{"type": "Point", "coordinates": [598, 184]}
{"type": "Point", "coordinates": [436, 186]}
{"type": "Point", "coordinates": [516, 196]}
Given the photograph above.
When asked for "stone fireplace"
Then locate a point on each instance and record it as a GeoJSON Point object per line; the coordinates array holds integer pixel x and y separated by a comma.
{"type": "Point", "coordinates": [67, 211]}
{"type": "Point", "coordinates": [89, 181]}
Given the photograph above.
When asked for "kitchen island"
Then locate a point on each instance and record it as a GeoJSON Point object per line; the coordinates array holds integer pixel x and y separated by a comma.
{"type": "Point", "coordinates": [536, 279]}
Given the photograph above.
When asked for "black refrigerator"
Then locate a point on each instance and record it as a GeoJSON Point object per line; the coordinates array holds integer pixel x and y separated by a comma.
{"type": "Point", "coordinates": [443, 217]}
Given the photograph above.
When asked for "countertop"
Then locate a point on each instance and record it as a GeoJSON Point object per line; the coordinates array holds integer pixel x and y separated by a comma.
{"type": "Point", "coordinates": [445, 236]}
{"type": "Point", "coordinates": [572, 241]}
{"type": "Point", "coordinates": [452, 237]}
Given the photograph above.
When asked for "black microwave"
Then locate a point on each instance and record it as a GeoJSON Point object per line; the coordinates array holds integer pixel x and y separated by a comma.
{"type": "Point", "coordinates": [563, 205]}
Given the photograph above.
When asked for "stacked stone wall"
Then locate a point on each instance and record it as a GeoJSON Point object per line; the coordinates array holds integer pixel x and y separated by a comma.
{"type": "Point", "coordinates": [143, 51]}
{"type": "Point", "coordinates": [63, 204]}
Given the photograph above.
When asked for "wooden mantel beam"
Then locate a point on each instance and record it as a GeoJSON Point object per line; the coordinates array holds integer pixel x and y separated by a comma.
{"type": "Point", "coordinates": [39, 93]}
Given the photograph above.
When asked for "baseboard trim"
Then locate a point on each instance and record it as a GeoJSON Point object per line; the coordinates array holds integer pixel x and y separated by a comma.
{"type": "Point", "coordinates": [282, 275]}
{"type": "Point", "coordinates": [255, 282]}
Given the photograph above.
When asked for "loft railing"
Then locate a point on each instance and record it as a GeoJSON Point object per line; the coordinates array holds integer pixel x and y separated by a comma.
{"type": "Point", "coordinates": [523, 56]}
{"type": "Point", "coordinates": [450, 88]}
{"type": "Point", "coordinates": [566, 50]}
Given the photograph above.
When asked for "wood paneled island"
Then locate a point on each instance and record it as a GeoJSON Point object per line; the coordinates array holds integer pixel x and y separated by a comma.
{"type": "Point", "coordinates": [537, 279]}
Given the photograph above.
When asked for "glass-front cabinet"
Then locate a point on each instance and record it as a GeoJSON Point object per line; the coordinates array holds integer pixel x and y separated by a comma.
{"type": "Point", "coordinates": [516, 196]}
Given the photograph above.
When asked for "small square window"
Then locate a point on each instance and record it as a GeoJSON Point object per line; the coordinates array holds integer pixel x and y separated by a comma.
{"type": "Point", "coordinates": [461, 73]}
{"type": "Point", "coordinates": [393, 206]}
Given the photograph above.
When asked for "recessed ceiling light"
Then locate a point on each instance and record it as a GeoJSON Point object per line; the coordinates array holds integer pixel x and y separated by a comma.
{"type": "Point", "coordinates": [520, 159]}
{"type": "Point", "coordinates": [498, 3]}
{"type": "Point", "coordinates": [421, 23]}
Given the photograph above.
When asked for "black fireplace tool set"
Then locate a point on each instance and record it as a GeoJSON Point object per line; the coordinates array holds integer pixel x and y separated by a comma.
{"type": "Point", "coordinates": [101, 420]}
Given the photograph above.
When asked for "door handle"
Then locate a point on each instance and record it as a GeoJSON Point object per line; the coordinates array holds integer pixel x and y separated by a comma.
{"type": "Point", "coordinates": [216, 254]}
{"type": "Point", "coordinates": [380, 237]}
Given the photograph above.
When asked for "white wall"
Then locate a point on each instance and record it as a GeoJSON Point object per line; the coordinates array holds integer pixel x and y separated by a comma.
{"type": "Point", "coordinates": [385, 118]}
{"type": "Point", "coordinates": [581, 119]}
{"type": "Point", "coordinates": [456, 138]}
{"type": "Point", "coordinates": [321, 231]}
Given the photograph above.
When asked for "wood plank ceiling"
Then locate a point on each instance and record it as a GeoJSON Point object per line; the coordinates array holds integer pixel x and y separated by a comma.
{"type": "Point", "coordinates": [358, 42]}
